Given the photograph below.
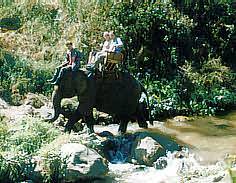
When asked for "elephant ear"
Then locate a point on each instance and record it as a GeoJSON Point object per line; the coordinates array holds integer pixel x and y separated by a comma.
{"type": "Point", "coordinates": [80, 82]}
{"type": "Point", "coordinates": [72, 85]}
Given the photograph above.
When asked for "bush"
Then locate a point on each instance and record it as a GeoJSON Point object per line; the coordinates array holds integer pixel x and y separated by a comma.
{"type": "Point", "coordinates": [55, 168]}
{"type": "Point", "coordinates": [206, 91]}
{"type": "Point", "coordinates": [30, 135]}
{"type": "Point", "coordinates": [15, 167]}
{"type": "Point", "coordinates": [155, 36]}
{"type": "Point", "coordinates": [18, 77]}
{"type": "Point", "coordinates": [19, 143]}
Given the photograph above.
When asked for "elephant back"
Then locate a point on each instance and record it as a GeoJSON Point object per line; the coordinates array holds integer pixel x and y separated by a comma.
{"type": "Point", "coordinates": [118, 96]}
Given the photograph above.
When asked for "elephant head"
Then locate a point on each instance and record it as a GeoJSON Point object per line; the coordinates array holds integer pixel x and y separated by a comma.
{"type": "Point", "coordinates": [67, 89]}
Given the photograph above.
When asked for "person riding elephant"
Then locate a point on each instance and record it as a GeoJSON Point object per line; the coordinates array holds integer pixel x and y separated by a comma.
{"type": "Point", "coordinates": [72, 63]}
{"type": "Point", "coordinates": [98, 57]}
{"type": "Point", "coordinates": [117, 44]}
{"type": "Point", "coordinates": [117, 97]}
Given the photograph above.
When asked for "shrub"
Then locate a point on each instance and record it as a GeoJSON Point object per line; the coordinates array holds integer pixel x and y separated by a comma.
{"type": "Point", "coordinates": [31, 135]}
{"type": "Point", "coordinates": [18, 77]}
{"type": "Point", "coordinates": [55, 167]}
{"type": "Point", "coordinates": [15, 167]}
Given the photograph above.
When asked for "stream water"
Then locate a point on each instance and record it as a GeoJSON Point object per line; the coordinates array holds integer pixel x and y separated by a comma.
{"type": "Point", "coordinates": [207, 140]}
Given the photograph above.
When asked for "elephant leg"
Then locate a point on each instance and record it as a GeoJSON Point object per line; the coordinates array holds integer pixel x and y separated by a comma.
{"type": "Point", "coordinates": [141, 117]}
{"type": "Point", "coordinates": [90, 121]}
{"type": "Point", "coordinates": [142, 123]}
{"type": "Point", "coordinates": [123, 126]}
{"type": "Point", "coordinates": [72, 120]}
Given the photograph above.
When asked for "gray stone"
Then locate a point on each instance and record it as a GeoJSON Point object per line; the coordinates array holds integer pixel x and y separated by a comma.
{"type": "Point", "coordinates": [161, 163]}
{"type": "Point", "coordinates": [83, 161]}
{"type": "Point", "coordinates": [146, 151]}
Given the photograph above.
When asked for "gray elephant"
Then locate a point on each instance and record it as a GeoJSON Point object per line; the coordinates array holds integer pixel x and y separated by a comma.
{"type": "Point", "coordinates": [118, 97]}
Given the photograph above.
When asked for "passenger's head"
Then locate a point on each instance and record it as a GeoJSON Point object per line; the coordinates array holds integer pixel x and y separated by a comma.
{"type": "Point", "coordinates": [69, 45]}
{"type": "Point", "coordinates": [112, 35]}
{"type": "Point", "coordinates": [106, 36]}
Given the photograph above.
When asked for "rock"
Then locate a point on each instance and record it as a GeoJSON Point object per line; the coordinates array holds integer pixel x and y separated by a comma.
{"type": "Point", "coordinates": [28, 109]}
{"type": "Point", "coordinates": [44, 111]}
{"type": "Point", "coordinates": [181, 118]}
{"type": "Point", "coordinates": [103, 118]}
{"type": "Point", "coordinates": [118, 149]}
{"type": "Point", "coordinates": [3, 104]}
{"type": "Point", "coordinates": [181, 154]}
{"type": "Point", "coordinates": [146, 151]}
{"type": "Point", "coordinates": [69, 104]}
{"type": "Point", "coordinates": [218, 178]}
{"type": "Point", "coordinates": [161, 163]}
{"type": "Point", "coordinates": [16, 99]}
{"type": "Point", "coordinates": [34, 100]}
{"type": "Point", "coordinates": [83, 162]}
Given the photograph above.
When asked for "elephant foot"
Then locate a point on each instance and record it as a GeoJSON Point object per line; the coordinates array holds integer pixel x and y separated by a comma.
{"type": "Point", "coordinates": [151, 122]}
{"type": "Point", "coordinates": [90, 129]}
{"type": "Point", "coordinates": [142, 124]}
{"type": "Point", "coordinates": [67, 130]}
{"type": "Point", "coordinates": [123, 127]}
{"type": "Point", "coordinates": [121, 133]}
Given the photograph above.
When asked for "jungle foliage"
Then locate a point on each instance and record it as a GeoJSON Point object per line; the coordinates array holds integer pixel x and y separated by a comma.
{"type": "Point", "coordinates": [20, 145]}
{"type": "Point", "coordinates": [182, 51]}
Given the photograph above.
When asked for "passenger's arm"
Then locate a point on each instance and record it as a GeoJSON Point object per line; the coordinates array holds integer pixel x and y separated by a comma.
{"type": "Point", "coordinates": [119, 43]}
{"type": "Point", "coordinates": [112, 47]}
{"type": "Point", "coordinates": [106, 46]}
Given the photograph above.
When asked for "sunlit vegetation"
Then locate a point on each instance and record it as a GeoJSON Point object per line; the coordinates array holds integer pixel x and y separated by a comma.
{"type": "Point", "coordinates": [20, 145]}
{"type": "Point", "coordinates": [182, 51]}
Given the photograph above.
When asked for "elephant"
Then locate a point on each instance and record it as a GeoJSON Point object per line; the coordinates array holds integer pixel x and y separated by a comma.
{"type": "Point", "coordinates": [118, 97]}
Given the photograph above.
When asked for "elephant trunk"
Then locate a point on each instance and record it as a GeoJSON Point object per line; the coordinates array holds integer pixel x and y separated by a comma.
{"type": "Point", "coordinates": [56, 100]}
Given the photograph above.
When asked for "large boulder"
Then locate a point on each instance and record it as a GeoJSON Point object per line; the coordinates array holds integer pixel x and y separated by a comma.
{"type": "Point", "coordinates": [146, 151]}
{"type": "Point", "coordinates": [181, 119]}
{"type": "Point", "coordinates": [69, 105]}
{"type": "Point", "coordinates": [35, 100]}
{"type": "Point", "coordinates": [83, 162]}
{"type": "Point", "coordinates": [3, 104]}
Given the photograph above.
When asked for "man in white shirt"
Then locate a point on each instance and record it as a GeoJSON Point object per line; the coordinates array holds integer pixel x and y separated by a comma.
{"type": "Point", "coordinates": [116, 43]}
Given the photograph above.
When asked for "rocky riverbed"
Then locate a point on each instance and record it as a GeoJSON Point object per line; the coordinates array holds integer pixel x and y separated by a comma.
{"type": "Point", "coordinates": [181, 149]}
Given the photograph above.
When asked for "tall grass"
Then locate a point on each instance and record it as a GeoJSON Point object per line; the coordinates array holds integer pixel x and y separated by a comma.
{"type": "Point", "coordinates": [46, 26]}
{"type": "Point", "coordinates": [20, 142]}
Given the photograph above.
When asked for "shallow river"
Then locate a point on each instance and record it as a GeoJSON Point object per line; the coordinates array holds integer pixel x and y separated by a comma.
{"type": "Point", "coordinates": [208, 140]}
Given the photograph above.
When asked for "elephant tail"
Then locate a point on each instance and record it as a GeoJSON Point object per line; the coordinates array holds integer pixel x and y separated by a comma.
{"type": "Point", "coordinates": [148, 105]}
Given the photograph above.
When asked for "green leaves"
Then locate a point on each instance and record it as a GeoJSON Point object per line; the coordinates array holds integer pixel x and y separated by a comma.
{"type": "Point", "coordinates": [19, 143]}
